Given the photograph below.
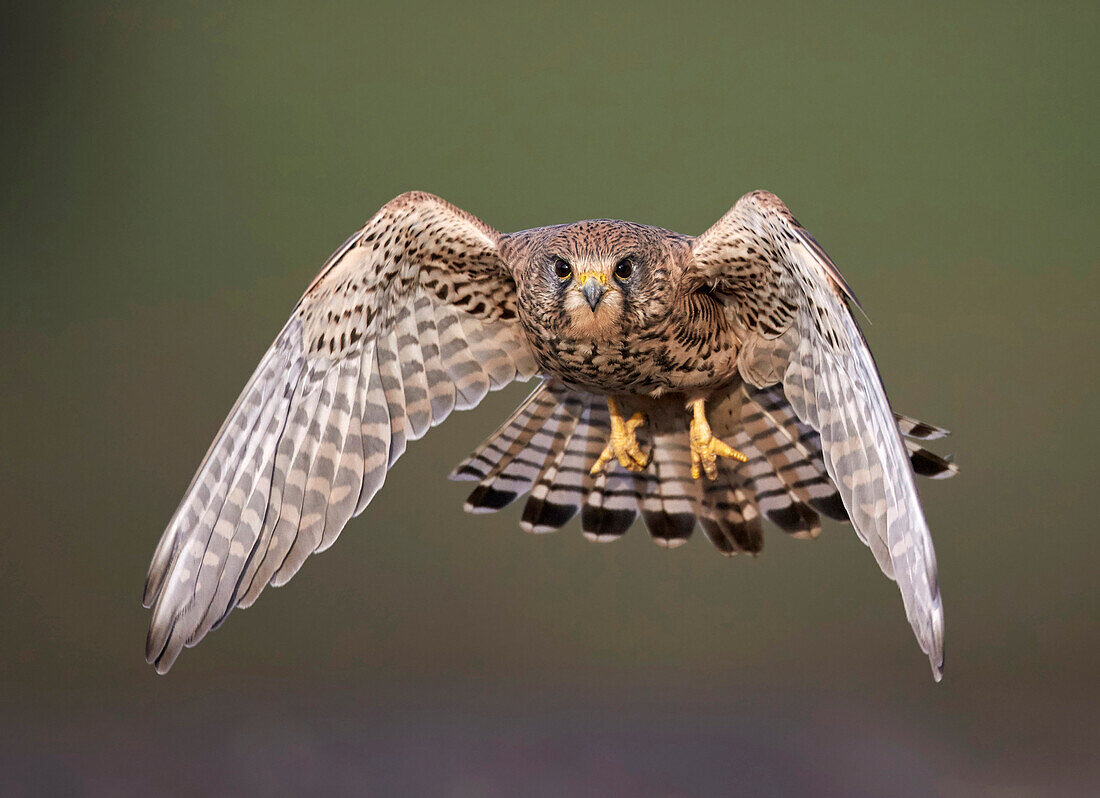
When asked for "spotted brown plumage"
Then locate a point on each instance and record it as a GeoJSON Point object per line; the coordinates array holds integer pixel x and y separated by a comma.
{"type": "Point", "coordinates": [426, 309]}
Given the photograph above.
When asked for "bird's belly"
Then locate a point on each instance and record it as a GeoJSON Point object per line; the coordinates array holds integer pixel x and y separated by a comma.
{"type": "Point", "coordinates": [640, 369]}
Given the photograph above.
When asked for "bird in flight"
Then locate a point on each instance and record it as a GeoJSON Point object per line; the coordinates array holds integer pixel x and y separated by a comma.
{"type": "Point", "coordinates": [713, 380]}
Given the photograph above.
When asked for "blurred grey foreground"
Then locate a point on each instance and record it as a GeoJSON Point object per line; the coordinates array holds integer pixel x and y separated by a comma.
{"type": "Point", "coordinates": [539, 743]}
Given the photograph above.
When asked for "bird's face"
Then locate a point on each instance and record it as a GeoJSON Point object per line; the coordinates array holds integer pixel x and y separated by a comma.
{"type": "Point", "coordinates": [592, 293]}
{"type": "Point", "coordinates": [597, 280]}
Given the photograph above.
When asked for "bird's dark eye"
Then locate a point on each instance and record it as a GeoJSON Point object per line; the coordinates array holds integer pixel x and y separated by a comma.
{"type": "Point", "coordinates": [624, 268]}
{"type": "Point", "coordinates": [562, 268]}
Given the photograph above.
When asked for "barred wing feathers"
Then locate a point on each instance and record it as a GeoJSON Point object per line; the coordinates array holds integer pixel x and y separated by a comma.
{"type": "Point", "coordinates": [788, 303]}
{"type": "Point", "coordinates": [413, 317]}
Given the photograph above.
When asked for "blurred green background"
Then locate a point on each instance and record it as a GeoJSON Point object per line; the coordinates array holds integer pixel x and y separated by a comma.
{"type": "Point", "coordinates": [176, 173]}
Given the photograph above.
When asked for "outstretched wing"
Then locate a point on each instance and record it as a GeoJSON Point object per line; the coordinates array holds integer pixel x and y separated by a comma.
{"type": "Point", "coordinates": [787, 302]}
{"type": "Point", "coordinates": [413, 317]}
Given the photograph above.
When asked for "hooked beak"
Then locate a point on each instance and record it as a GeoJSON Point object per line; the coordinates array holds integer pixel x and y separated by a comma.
{"type": "Point", "coordinates": [593, 287]}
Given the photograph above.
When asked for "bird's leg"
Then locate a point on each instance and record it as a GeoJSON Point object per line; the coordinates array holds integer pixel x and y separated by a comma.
{"type": "Point", "coordinates": [622, 443]}
{"type": "Point", "coordinates": [705, 448]}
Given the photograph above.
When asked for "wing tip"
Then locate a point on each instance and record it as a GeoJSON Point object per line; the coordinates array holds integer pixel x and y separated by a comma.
{"type": "Point", "coordinates": [937, 660]}
{"type": "Point", "coordinates": [155, 650]}
{"type": "Point", "coordinates": [163, 664]}
{"type": "Point", "coordinates": [936, 656]}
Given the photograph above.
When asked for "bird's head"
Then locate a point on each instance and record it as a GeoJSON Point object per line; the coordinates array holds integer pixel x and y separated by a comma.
{"type": "Point", "coordinates": [596, 280]}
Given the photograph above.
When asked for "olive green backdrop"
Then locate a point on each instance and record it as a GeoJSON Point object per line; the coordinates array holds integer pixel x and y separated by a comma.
{"type": "Point", "coordinates": [174, 176]}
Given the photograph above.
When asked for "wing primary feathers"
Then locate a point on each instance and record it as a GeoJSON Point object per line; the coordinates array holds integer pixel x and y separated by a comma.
{"type": "Point", "coordinates": [375, 437]}
{"type": "Point", "coordinates": [248, 588]}
{"type": "Point", "coordinates": [292, 495]}
{"type": "Point", "coordinates": [205, 479]}
{"type": "Point", "coordinates": [179, 598]}
{"type": "Point", "coordinates": [414, 381]}
{"type": "Point", "coordinates": [389, 371]}
{"type": "Point", "coordinates": [413, 316]}
{"type": "Point", "coordinates": [323, 470]}
{"type": "Point", "coordinates": [790, 304]}
{"type": "Point", "coordinates": [240, 542]}
{"type": "Point", "coordinates": [348, 482]}
{"type": "Point", "coordinates": [306, 484]}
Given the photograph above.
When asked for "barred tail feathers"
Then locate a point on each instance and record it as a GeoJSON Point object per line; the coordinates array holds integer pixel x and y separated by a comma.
{"type": "Point", "coordinates": [546, 448]}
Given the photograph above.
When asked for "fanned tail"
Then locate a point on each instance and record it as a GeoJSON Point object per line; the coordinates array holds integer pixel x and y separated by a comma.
{"type": "Point", "coordinates": [550, 442]}
{"type": "Point", "coordinates": [507, 464]}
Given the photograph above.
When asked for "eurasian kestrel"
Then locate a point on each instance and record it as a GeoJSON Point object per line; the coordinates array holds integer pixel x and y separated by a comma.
{"type": "Point", "coordinates": [705, 380]}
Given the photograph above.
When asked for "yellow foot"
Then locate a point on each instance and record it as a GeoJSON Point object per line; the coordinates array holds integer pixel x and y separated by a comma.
{"type": "Point", "coordinates": [622, 444]}
{"type": "Point", "coordinates": [705, 448]}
